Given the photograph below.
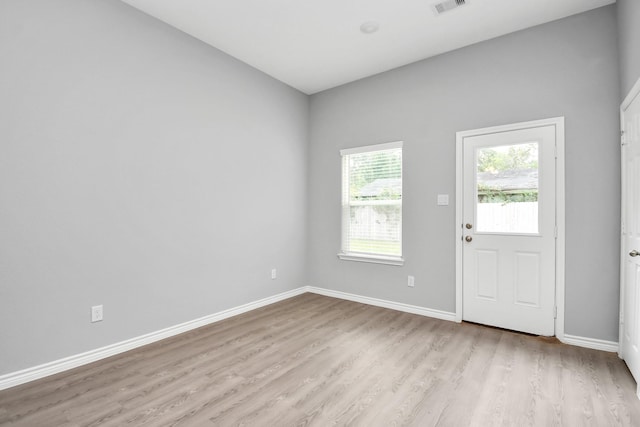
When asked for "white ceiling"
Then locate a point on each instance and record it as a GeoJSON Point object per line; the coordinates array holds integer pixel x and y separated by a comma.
{"type": "Point", "coordinates": [315, 45]}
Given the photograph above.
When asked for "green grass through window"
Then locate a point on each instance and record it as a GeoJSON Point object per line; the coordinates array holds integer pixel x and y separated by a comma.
{"type": "Point", "coordinates": [385, 247]}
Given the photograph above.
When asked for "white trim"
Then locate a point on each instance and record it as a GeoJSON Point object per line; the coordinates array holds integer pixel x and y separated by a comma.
{"type": "Point", "coordinates": [20, 377]}
{"type": "Point", "coordinates": [592, 343]}
{"type": "Point", "coordinates": [368, 148]}
{"type": "Point", "coordinates": [631, 96]}
{"type": "Point", "coordinates": [510, 127]}
{"type": "Point", "coordinates": [398, 306]}
{"type": "Point", "coordinates": [560, 226]}
{"type": "Point", "coordinates": [635, 91]}
{"type": "Point", "coordinates": [558, 122]}
{"type": "Point", "coordinates": [30, 374]}
{"type": "Point", "coordinates": [376, 259]}
{"type": "Point", "coordinates": [459, 221]}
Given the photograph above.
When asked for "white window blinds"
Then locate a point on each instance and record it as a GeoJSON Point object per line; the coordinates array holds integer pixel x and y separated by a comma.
{"type": "Point", "coordinates": [372, 203]}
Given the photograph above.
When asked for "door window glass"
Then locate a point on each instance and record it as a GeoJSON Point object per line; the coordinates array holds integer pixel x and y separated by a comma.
{"type": "Point", "coordinates": [507, 189]}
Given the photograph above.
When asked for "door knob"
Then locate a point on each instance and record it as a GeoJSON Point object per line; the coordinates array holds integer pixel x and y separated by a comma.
{"type": "Point", "coordinates": [469, 226]}
{"type": "Point", "coordinates": [634, 253]}
{"type": "Point", "coordinates": [468, 238]}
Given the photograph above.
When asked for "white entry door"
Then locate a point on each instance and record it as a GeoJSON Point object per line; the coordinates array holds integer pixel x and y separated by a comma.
{"type": "Point", "coordinates": [630, 242]}
{"type": "Point", "coordinates": [509, 227]}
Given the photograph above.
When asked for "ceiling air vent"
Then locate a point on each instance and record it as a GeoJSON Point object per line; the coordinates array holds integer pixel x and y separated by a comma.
{"type": "Point", "coordinates": [448, 5]}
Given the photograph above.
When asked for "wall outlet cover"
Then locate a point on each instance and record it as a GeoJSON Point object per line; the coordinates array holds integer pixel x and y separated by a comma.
{"type": "Point", "coordinates": [96, 313]}
{"type": "Point", "coordinates": [411, 281]}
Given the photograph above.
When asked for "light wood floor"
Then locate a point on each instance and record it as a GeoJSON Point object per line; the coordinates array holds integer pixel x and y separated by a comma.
{"type": "Point", "coordinates": [318, 361]}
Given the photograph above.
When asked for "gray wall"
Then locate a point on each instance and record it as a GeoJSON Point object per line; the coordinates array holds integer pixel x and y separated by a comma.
{"type": "Point", "coordinates": [629, 43]}
{"type": "Point", "coordinates": [143, 170]}
{"type": "Point", "coordinates": [565, 68]}
{"type": "Point", "coordinates": [139, 169]}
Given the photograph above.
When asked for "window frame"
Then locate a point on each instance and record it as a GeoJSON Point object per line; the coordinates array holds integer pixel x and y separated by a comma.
{"type": "Point", "coordinates": [346, 206]}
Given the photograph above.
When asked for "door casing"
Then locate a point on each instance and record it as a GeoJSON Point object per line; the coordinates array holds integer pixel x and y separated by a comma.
{"type": "Point", "coordinates": [622, 349]}
{"type": "Point", "coordinates": [558, 123]}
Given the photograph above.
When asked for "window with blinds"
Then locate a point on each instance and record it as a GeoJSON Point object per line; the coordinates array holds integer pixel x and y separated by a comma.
{"type": "Point", "coordinates": [372, 203]}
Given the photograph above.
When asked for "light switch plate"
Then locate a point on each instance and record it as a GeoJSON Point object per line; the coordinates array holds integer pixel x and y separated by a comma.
{"type": "Point", "coordinates": [443, 200]}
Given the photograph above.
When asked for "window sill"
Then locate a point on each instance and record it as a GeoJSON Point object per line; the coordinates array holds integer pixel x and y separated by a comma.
{"type": "Point", "coordinates": [375, 259]}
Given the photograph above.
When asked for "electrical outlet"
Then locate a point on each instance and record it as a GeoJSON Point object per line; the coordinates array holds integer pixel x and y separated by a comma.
{"type": "Point", "coordinates": [274, 274]}
{"type": "Point", "coordinates": [411, 281]}
{"type": "Point", "coordinates": [96, 313]}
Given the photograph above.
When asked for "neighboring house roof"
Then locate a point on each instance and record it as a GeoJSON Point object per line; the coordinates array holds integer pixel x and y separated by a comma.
{"type": "Point", "coordinates": [524, 179]}
{"type": "Point", "coordinates": [380, 186]}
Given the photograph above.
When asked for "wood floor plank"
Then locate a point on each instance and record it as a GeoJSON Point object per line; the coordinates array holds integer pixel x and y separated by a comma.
{"type": "Point", "coordinates": [318, 361]}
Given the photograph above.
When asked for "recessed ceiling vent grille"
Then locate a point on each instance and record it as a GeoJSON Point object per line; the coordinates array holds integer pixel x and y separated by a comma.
{"type": "Point", "coordinates": [448, 5]}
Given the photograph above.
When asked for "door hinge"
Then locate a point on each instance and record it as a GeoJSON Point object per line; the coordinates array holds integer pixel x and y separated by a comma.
{"type": "Point", "coordinates": [555, 311]}
{"type": "Point", "coordinates": [555, 231]}
{"type": "Point", "coordinates": [623, 138]}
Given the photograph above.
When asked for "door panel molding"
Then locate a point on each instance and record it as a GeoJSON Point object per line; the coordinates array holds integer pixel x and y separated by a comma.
{"type": "Point", "coordinates": [558, 124]}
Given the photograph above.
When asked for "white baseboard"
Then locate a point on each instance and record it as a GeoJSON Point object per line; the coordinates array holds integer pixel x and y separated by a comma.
{"type": "Point", "coordinates": [407, 308]}
{"type": "Point", "coordinates": [592, 343]}
{"type": "Point", "coordinates": [30, 374]}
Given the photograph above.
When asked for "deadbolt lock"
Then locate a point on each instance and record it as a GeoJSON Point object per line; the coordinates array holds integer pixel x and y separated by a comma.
{"type": "Point", "coordinates": [469, 226]}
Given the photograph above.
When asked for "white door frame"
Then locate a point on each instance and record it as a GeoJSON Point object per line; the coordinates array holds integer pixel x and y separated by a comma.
{"type": "Point", "coordinates": [635, 91]}
{"type": "Point", "coordinates": [558, 122]}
